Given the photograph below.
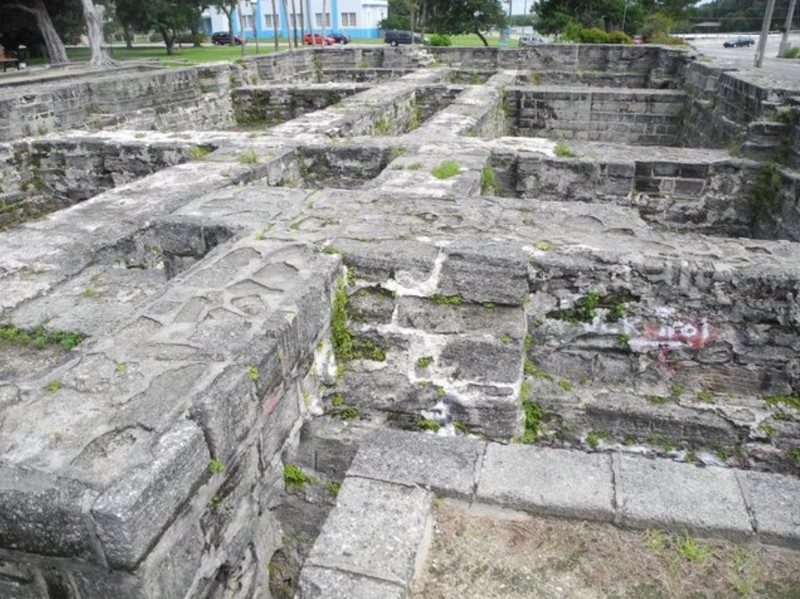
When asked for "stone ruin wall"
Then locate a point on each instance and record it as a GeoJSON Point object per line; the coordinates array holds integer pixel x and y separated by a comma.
{"type": "Point", "coordinates": [139, 513]}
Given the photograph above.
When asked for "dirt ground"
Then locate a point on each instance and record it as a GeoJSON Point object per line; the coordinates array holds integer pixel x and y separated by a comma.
{"type": "Point", "coordinates": [486, 553]}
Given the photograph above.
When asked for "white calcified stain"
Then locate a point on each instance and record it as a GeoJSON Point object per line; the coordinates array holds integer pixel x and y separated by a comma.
{"type": "Point", "coordinates": [404, 282]}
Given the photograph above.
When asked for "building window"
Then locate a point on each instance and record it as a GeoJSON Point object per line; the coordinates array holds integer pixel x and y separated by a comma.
{"type": "Point", "coordinates": [318, 19]}
{"type": "Point", "coordinates": [348, 19]}
{"type": "Point", "coordinates": [272, 21]}
{"type": "Point", "coordinates": [247, 22]}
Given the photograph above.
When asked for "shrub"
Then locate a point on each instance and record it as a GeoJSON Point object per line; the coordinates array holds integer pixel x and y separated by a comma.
{"type": "Point", "coordinates": [619, 37]}
{"type": "Point", "coordinates": [593, 35]}
{"type": "Point", "coordinates": [572, 32]}
{"type": "Point", "coordinates": [792, 52]}
{"type": "Point", "coordinates": [439, 39]}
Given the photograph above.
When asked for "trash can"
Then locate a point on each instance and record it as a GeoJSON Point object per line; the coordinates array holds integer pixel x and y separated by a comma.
{"type": "Point", "coordinates": [22, 55]}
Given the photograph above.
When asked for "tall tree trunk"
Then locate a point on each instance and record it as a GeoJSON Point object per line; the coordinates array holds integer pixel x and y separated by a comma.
{"type": "Point", "coordinates": [127, 34]}
{"type": "Point", "coordinates": [324, 6]}
{"type": "Point", "coordinates": [195, 29]}
{"type": "Point", "coordinates": [302, 21]}
{"type": "Point", "coordinates": [275, 24]}
{"type": "Point", "coordinates": [93, 15]}
{"type": "Point", "coordinates": [310, 22]}
{"type": "Point", "coordinates": [53, 43]}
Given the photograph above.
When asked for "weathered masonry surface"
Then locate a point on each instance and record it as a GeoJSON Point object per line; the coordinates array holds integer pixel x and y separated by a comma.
{"type": "Point", "coordinates": [275, 260]}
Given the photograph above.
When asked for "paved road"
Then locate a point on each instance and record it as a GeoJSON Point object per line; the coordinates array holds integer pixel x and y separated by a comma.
{"type": "Point", "coordinates": [745, 57]}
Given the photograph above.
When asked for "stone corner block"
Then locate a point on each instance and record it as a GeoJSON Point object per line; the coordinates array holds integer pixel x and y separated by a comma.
{"type": "Point", "coordinates": [446, 465]}
{"type": "Point", "coordinates": [558, 482]}
{"type": "Point", "coordinates": [133, 513]}
{"type": "Point", "coordinates": [377, 530]}
{"type": "Point", "coordinates": [44, 514]}
{"type": "Point", "coordinates": [676, 496]}
{"type": "Point", "coordinates": [774, 500]}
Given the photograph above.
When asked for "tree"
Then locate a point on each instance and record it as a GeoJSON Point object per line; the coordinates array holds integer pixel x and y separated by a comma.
{"type": "Point", "coordinates": [38, 10]}
{"type": "Point", "coordinates": [463, 16]}
{"type": "Point", "coordinates": [227, 7]}
{"type": "Point", "coordinates": [167, 17]}
{"type": "Point", "coordinates": [94, 31]}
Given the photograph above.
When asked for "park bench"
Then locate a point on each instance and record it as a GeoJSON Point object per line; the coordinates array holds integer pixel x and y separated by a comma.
{"type": "Point", "coordinates": [7, 59]}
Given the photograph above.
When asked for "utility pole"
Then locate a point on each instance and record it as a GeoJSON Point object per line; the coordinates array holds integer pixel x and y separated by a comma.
{"type": "Point", "coordinates": [787, 26]}
{"type": "Point", "coordinates": [762, 41]}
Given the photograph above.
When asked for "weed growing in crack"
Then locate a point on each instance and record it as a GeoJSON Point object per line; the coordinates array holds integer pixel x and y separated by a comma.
{"type": "Point", "coordinates": [293, 477]}
{"type": "Point", "coordinates": [563, 151]}
{"type": "Point", "coordinates": [215, 466]}
{"type": "Point", "coordinates": [446, 170]}
{"type": "Point", "coordinates": [426, 424]}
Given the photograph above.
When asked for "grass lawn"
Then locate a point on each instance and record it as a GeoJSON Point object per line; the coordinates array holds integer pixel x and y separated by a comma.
{"type": "Point", "coordinates": [209, 53]}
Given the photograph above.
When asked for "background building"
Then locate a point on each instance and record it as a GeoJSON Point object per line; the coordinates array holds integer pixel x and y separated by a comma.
{"type": "Point", "coordinates": [356, 18]}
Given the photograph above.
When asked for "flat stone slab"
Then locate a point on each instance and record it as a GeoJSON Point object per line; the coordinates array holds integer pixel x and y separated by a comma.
{"type": "Point", "coordinates": [558, 482]}
{"type": "Point", "coordinates": [774, 501]}
{"type": "Point", "coordinates": [325, 583]}
{"type": "Point", "coordinates": [375, 531]}
{"type": "Point", "coordinates": [447, 465]}
{"type": "Point", "coordinates": [664, 494]}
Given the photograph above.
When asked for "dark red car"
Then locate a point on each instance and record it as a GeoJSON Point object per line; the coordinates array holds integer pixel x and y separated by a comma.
{"type": "Point", "coordinates": [329, 41]}
{"type": "Point", "coordinates": [223, 38]}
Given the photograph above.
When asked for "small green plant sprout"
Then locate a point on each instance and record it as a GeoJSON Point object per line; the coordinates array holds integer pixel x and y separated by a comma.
{"type": "Point", "coordinates": [677, 390]}
{"type": "Point", "coordinates": [347, 413]}
{"type": "Point", "coordinates": [706, 396]}
{"type": "Point", "coordinates": [657, 400]}
{"type": "Point", "coordinates": [593, 438]}
{"type": "Point", "coordinates": [446, 170]}
{"type": "Point", "coordinates": [656, 540]}
{"type": "Point", "coordinates": [505, 338]}
{"type": "Point", "coordinates": [293, 477]}
{"type": "Point", "coordinates": [253, 372]}
{"type": "Point", "coordinates": [531, 370]}
{"type": "Point", "coordinates": [564, 384]}
{"type": "Point", "coordinates": [584, 309]}
{"type": "Point", "coordinates": [337, 400]}
{"type": "Point", "coordinates": [215, 466]}
{"type": "Point", "coordinates": [783, 401]}
{"type": "Point", "coordinates": [623, 340]}
{"type": "Point", "coordinates": [617, 312]}
{"type": "Point", "coordinates": [691, 549]}
{"type": "Point", "coordinates": [120, 368]}
{"type": "Point", "coordinates": [214, 502]}
{"type": "Point", "coordinates": [382, 127]}
{"type": "Point", "coordinates": [447, 300]}
{"type": "Point", "coordinates": [52, 386]}
{"type": "Point", "coordinates": [415, 166]}
{"type": "Point", "coordinates": [488, 181]}
{"type": "Point", "coordinates": [39, 337]}
{"type": "Point", "coordinates": [397, 151]}
{"type": "Point", "coordinates": [424, 361]}
{"type": "Point", "coordinates": [533, 418]}
{"type": "Point", "coordinates": [766, 430]}
{"type": "Point", "coordinates": [462, 427]}
{"type": "Point", "coordinates": [333, 487]}
{"type": "Point", "coordinates": [563, 151]}
{"type": "Point", "coordinates": [426, 424]}
{"type": "Point", "coordinates": [249, 157]}
{"type": "Point", "coordinates": [198, 152]}
{"type": "Point", "coordinates": [543, 245]}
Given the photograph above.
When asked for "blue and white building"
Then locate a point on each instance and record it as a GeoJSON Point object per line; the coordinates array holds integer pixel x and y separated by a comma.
{"type": "Point", "coordinates": [356, 18]}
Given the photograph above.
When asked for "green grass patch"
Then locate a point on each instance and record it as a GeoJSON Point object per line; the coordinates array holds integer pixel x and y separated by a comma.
{"type": "Point", "coordinates": [563, 151]}
{"type": "Point", "coordinates": [294, 477]}
{"type": "Point", "coordinates": [446, 170]}
{"type": "Point", "coordinates": [424, 361]}
{"type": "Point", "coordinates": [426, 424]}
{"type": "Point", "coordinates": [40, 337]}
{"type": "Point", "coordinates": [447, 300]}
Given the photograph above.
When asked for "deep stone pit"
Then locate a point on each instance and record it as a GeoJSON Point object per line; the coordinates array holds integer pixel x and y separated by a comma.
{"type": "Point", "coordinates": [385, 244]}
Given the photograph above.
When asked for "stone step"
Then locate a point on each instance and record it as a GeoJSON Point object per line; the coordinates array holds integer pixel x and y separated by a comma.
{"type": "Point", "coordinates": [376, 536]}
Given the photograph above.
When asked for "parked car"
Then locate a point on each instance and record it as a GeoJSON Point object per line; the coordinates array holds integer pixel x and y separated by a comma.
{"type": "Point", "coordinates": [738, 41]}
{"type": "Point", "coordinates": [530, 40]}
{"type": "Point", "coordinates": [339, 37]}
{"type": "Point", "coordinates": [329, 41]}
{"type": "Point", "coordinates": [398, 36]}
{"type": "Point", "coordinates": [223, 38]}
